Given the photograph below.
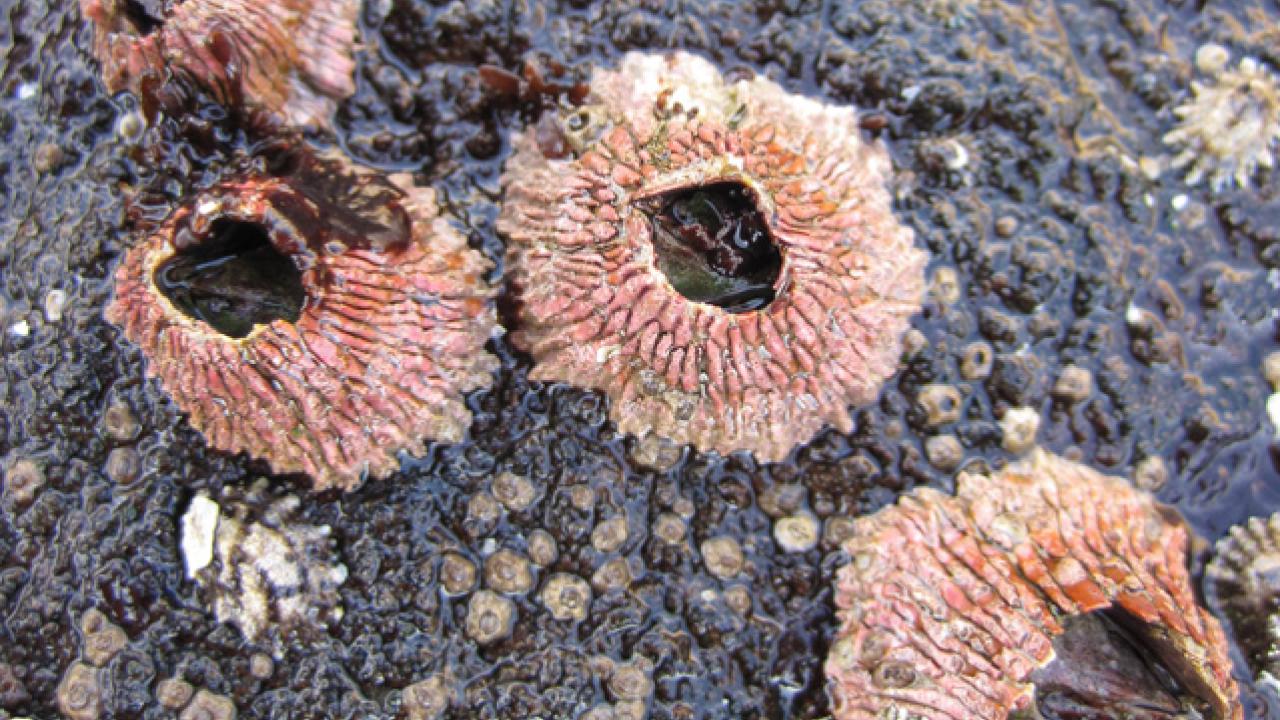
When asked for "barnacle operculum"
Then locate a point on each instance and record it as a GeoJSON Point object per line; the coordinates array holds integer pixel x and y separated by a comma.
{"type": "Point", "coordinates": [291, 59]}
{"type": "Point", "coordinates": [719, 258]}
{"type": "Point", "coordinates": [323, 320]}
{"type": "Point", "coordinates": [1242, 586]}
{"type": "Point", "coordinates": [970, 607]}
{"type": "Point", "coordinates": [1230, 127]}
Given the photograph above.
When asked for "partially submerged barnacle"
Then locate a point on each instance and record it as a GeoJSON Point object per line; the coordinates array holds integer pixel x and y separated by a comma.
{"type": "Point", "coordinates": [955, 608]}
{"type": "Point", "coordinates": [1230, 127]}
{"type": "Point", "coordinates": [720, 258]}
{"type": "Point", "coordinates": [324, 320]}
{"type": "Point", "coordinates": [1242, 586]}
{"type": "Point", "coordinates": [291, 59]}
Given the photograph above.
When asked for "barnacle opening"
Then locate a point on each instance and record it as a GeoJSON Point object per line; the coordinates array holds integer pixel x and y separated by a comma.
{"type": "Point", "coordinates": [145, 16]}
{"type": "Point", "coordinates": [713, 244]}
{"type": "Point", "coordinates": [1109, 664]}
{"type": "Point", "coordinates": [234, 280]}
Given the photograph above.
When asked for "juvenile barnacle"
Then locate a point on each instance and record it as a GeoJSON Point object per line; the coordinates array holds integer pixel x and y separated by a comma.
{"type": "Point", "coordinates": [1230, 127]}
{"type": "Point", "coordinates": [323, 321]}
{"type": "Point", "coordinates": [1038, 585]}
{"type": "Point", "coordinates": [719, 258]}
{"type": "Point", "coordinates": [290, 59]}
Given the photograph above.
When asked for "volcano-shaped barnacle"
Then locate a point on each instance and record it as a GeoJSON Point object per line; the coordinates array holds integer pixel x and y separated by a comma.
{"type": "Point", "coordinates": [323, 321]}
{"type": "Point", "coordinates": [1045, 585]}
{"type": "Point", "coordinates": [290, 59]}
{"type": "Point", "coordinates": [1230, 127]}
{"type": "Point", "coordinates": [719, 258]}
{"type": "Point", "coordinates": [1242, 586]}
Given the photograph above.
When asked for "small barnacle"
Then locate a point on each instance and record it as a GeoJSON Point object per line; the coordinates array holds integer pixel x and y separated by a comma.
{"type": "Point", "coordinates": [567, 597]}
{"type": "Point", "coordinates": [207, 705]}
{"type": "Point", "coordinates": [427, 699]}
{"type": "Point", "coordinates": [102, 638]}
{"type": "Point", "coordinates": [490, 617]}
{"type": "Point", "coordinates": [508, 572]}
{"type": "Point", "coordinates": [1230, 127]}
{"type": "Point", "coordinates": [80, 693]}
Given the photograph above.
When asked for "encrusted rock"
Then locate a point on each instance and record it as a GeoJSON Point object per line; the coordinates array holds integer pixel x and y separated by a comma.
{"type": "Point", "coordinates": [617, 253]}
{"type": "Point", "coordinates": [266, 568]}
{"type": "Point", "coordinates": [948, 604]}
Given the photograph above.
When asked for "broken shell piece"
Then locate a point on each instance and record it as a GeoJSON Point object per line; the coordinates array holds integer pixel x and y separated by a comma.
{"type": "Point", "coordinates": [1242, 586]}
{"type": "Point", "coordinates": [268, 568]}
{"type": "Point", "coordinates": [290, 59]}
{"type": "Point", "coordinates": [950, 604]}
{"type": "Point", "coordinates": [323, 321]}
{"type": "Point", "coordinates": [720, 258]}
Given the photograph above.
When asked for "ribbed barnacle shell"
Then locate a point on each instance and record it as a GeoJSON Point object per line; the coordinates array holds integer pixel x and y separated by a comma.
{"type": "Point", "coordinates": [596, 310]}
{"type": "Point", "coordinates": [390, 336]}
{"type": "Point", "coordinates": [290, 59]}
{"type": "Point", "coordinates": [949, 604]}
{"type": "Point", "coordinates": [1230, 127]}
{"type": "Point", "coordinates": [1242, 586]}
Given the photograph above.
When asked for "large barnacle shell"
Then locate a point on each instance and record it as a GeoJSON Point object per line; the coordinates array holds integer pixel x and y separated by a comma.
{"type": "Point", "coordinates": [598, 311]}
{"type": "Point", "coordinates": [394, 316]}
{"type": "Point", "coordinates": [949, 604]}
{"type": "Point", "coordinates": [291, 59]}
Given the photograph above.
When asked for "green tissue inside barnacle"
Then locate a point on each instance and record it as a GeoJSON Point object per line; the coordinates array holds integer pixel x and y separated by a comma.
{"type": "Point", "coordinates": [714, 246]}
{"type": "Point", "coordinates": [233, 280]}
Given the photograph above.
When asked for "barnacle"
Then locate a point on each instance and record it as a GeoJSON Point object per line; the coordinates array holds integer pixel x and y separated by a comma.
{"type": "Point", "coordinates": [1242, 586]}
{"type": "Point", "coordinates": [720, 258]}
{"type": "Point", "coordinates": [1230, 127]}
{"type": "Point", "coordinates": [324, 320]}
{"type": "Point", "coordinates": [954, 607]}
{"type": "Point", "coordinates": [291, 59]}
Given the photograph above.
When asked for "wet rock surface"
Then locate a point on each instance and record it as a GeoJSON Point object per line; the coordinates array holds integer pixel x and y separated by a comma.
{"type": "Point", "coordinates": [1028, 142]}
